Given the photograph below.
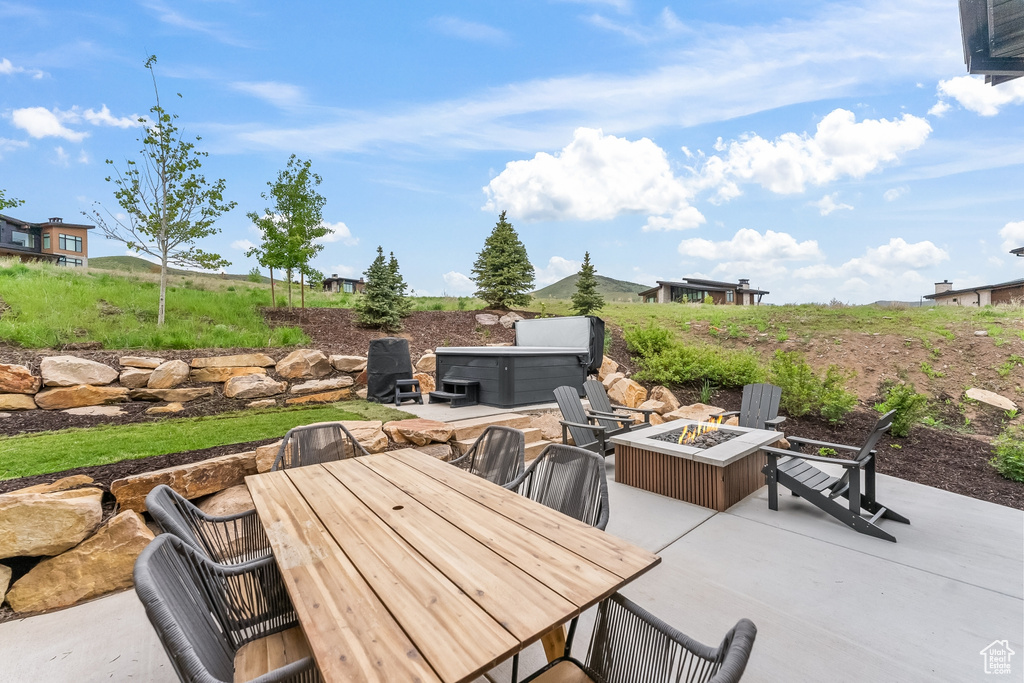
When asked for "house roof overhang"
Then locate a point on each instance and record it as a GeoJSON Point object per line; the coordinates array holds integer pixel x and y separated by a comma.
{"type": "Point", "coordinates": [971, 290]}
{"type": "Point", "coordinates": [993, 39]}
{"type": "Point", "coordinates": [1019, 251]}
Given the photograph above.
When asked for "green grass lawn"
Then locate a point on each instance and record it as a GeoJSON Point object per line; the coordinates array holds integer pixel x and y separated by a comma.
{"type": "Point", "coordinates": [30, 454]}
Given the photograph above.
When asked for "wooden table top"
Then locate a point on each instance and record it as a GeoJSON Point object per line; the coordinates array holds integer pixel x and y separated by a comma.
{"type": "Point", "coordinates": [404, 568]}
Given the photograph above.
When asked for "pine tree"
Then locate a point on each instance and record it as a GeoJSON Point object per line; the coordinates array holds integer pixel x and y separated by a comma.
{"type": "Point", "coordinates": [586, 299]}
{"type": "Point", "coordinates": [383, 303]}
{"type": "Point", "coordinates": [502, 271]}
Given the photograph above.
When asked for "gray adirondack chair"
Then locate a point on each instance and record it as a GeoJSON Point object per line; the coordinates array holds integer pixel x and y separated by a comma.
{"type": "Point", "coordinates": [584, 427]}
{"type": "Point", "coordinates": [759, 408]}
{"type": "Point", "coordinates": [601, 405]}
{"type": "Point", "coordinates": [793, 470]}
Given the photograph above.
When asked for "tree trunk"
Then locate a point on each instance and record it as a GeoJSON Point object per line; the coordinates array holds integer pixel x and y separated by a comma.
{"type": "Point", "coordinates": [163, 290]}
{"type": "Point", "coordinates": [302, 289]}
{"type": "Point", "coordinates": [273, 299]}
{"type": "Point", "coordinates": [289, 272]}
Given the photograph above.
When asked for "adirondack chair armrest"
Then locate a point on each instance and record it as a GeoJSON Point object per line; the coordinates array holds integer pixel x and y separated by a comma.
{"type": "Point", "coordinates": [730, 413]}
{"type": "Point", "coordinates": [775, 421]}
{"type": "Point", "coordinates": [645, 411]}
{"type": "Point", "coordinates": [778, 452]}
{"type": "Point", "coordinates": [799, 441]}
{"type": "Point", "coordinates": [618, 417]}
{"type": "Point", "coordinates": [584, 425]}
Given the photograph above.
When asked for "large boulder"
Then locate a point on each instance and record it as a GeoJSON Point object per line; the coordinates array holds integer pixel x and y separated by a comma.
{"type": "Point", "coordinates": [611, 379]}
{"type": "Point", "coordinates": [168, 375]}
{"type": "Point", "coordinates": [17, 379]}
{"type": "Point", "coordinates": [509, 319]}
{"type": "Point", "coordinates": [608, 366]}
{"type": "Point", "coordinates": [318, 385]}
{"type": "Point", "coordinates": [323, 397]}
{"type": "Point", "coordinates": [231, 501]}
{"type": "Point", "coordinates": [69, 371]}
{"type": "Point", "coordinates": [253, 386]}
{"type": "Point", "coordinates": [5, 580]}
{"type": "Point", "coordinates": [223, 374]}
{"type": "Point", "coordinates": [441, 451]}
{"type": "Point", "coordinates": [171, 395]}
{"type": "Point", "coordinates": [650, 404]}
{"type": "Point", "coordinates": [262, 403]}
{"type": "Point", "coordinates": [486, 319]}
{"type": "Point", "coordinates": [418, 431]}
{"type": "Point", "coordinates": [62, 484]}
{"type": "Point", "coordinates": [17, 402]}
{"type": "Point", "coordinates": [990, 398]}
{"type": "Point", "coordinates": [701, 412]}
{"type": "Point", "coordinates": [36, 524]}
{"type": "Point", "coordinates": [191, 480]}
{"type": "Point", "coordinates": [348, 363]}
{"type": "Point", "coordinates": [549, 426]}
{"type": "Point", "coordinates": [99, 565]}
{"type": "Point", "coordinates": [82, 395]}
{"type": "Point", "coordinates": [266, 455]}
{"type": "Point", "coordinates": [169, 409]}
{"type": "Point", "coordinates": [627, 393]}
{"type": "Point", "coordinates": [304, 364]}
{"type": "Point", "coordinates": [427, 383]}
{"type": "Point", "coordinates": [96, 411]}
{"type": "Point", "coordinates": [666, 396]}
{"type": "Point", "coordinates": [427, 363]}
{"type": "Point", "coordinates": [135, 378]}
{"type": "Point", "coordinates": [259, 360]}
{"type": "Point", "coordinates": [147, 362]}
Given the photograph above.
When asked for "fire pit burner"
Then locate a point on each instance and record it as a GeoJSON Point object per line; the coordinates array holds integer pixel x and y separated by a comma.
{"type": "Point", "coordinates": [683, 435]}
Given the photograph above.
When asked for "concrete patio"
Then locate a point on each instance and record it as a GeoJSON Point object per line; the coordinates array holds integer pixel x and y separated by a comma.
{"type": "Point", "coordinates": [829, 604]}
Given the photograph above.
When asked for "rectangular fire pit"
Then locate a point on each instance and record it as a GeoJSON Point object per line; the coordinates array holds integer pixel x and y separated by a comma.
{"type": "Point", "coordinates": [717, 476]}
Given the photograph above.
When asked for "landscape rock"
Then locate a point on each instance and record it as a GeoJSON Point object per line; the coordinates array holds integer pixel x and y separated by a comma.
{"type": "Point", "coordinates": [62, 484]}
{"type": "Point", "coordinates": [441, 451]}
{"type": "Point", "coordinates": [17, 379]}
{"type": "Point", "coordinates": [168, 409]}
{"type": "Point", "coordinates": [168, 375]}
{"type": "Point", "coordinates": [171, 395]}
{"type": "Point", "coordinates": [362, 393]}
{"type": "Point", "coordinates": [304, 364]}
{"type": "Point", "coordinates": [95, 411]}
{"type": "Point", "coordinates": [627, 392]}
{"type": "Point", "coordinates": [486, 319]}
{"type": "Point", "coordinates": [266, 455]}
{"type": "Point", "coordinates": [700, 412]}
{"type": "Point", "coordinates": [36, 524]}
{"type": "Point", "coordinates": [82, 395]}
{"type": "Point", "coordinates": [348, 363]}
{"type": "Point", "coordinates": [650, 404]}
{"type": "Point", "coordinates": [69, 371]}
{"type": "Point", "coordinates": [262, 403]}
{"type": "Point", "coordinates": [253, 386]}
{"type": "Point", "coordinates": [509, 319]}
{"type": "Point", "coordinates": [418, 431]}
{"type": "Point", "coordinates": [317, 385]}
{"type": "Point", "coordinates": [4, 416]}
{"type": "Point", "coordinates": [140, 362]}
{"type": "Point", "coordinates": [981, 333]}
{"type": "Point", "coordinates": [990, 398]}
{"type": "Point", "coordinates": [134, 378]}
{"type": "Point", "coordinates": [608, 366]}
{"type": "Point", "coordinates": [665, 395]}
{"type": "Point", "coordinates": [656, 419]}
{"type": "Point", "coordinates": [5, 580]}
{"type": "Point", "coordinates": [230, 501]}
{"type": "Point", "coordinates": [427, 363]}
{"type": "Point", "coordinates": [369, 433]}
{"type": "Point", "coordinates": [782, 443]}
{"type": "Point", "coordinates": [259, 360]}
{"type": "Point", "coordinates": [17, 402]}
{"type": "Point", "coordinates": [191, 480]}
{"type": "Point", "coordinates": [361, 378]}
{"type": "Point", "coordinates": [97, 566]}
{"type": "Point", "coordinates": [427, 383]}
{"type": "Point", "coordinates": [223, 374]}
{"type": "Point", "coordinates": [548, 426]}
{"type": "Point", "coordinates": [325, 397]}
{"type": "Point", "coordinates": [611, 379]}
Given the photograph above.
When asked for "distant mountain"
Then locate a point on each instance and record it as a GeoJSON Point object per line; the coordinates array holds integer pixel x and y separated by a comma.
{"type": "Point", "coordinates": [134, 264]}
{"type": "Point", "coordinates": [612, 290]}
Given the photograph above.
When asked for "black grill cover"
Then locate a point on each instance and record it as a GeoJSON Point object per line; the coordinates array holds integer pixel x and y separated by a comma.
{"type": "Point", "coordinates": [387, 360]}
{"type": "Point", "coordinates": [596, 344]}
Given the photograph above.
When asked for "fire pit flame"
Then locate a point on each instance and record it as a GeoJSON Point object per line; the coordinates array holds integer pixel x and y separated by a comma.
{"type": "Point", "coordinates": [690, 433]}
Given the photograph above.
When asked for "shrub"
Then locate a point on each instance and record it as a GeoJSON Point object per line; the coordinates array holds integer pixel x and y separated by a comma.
{"type": "Point", "coordinates": [648, 341]}
{"type": "Point", "coordinates": [678, 364]}
{"type": "Point", "coordinates": [909, 405]}
{"type": "Point", "coordinates": [1009, 457]}
{"type": "Point", "coordinates": [835, 401]}
{"type": "Point", "coordinates": [803, 391]}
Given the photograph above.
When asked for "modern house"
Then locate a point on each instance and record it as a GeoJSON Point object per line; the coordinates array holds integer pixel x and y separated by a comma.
{"type": "Point", "coordinates": [993, 38]}
{"type": "Point", "coordinates": [985, 295]}
{"type": "Point", "coordinates": [343, 284]}
{"type": "Point", "coordinates": [66, 244]}
{"type": "Point", "coordinates": [700, 291]}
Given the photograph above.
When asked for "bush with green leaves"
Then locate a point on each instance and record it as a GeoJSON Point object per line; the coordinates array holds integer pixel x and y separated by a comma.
{"type": "Point", "coordinates": [909, 405]}
{"type": "Point", "coordinates": [1009, 457]}
{"type": "Point", "coordinates": [804, 392]}
{"type": "Point", "coordinates": [648, 341]}
{"type": "Point", "coordinates": [664, 360]}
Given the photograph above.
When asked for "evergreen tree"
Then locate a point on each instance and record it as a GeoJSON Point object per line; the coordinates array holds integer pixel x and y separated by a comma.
{"type": "Point", "coordinates": [586, 299]}
{"type": "Point", "coordinates": [502, 271]}
{"type": "Point", "coordinates": [383, 303]}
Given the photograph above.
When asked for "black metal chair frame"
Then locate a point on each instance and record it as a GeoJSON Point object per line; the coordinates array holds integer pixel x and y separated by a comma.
{"type": "Point", "coordinates": [544, 479]}
{"type": "Point", "coordinates": [231, 539]}
{"type": "Point", "coordinates": [792, 469]}
{"type": "Point", "coordinates": [583, 425]}
{"type": "Point", "coordinates": [204, 612]}
{"type": "Point", "coordinates": [759, 408]}
{"type": "Point", "coordinates": [602, 406]}
{"type": "Point", "coordinates": [341, 447]}
{"type": "Point", "coordinates": [630, 644]}
{"type": "Point", "coordinates": [498, 455]}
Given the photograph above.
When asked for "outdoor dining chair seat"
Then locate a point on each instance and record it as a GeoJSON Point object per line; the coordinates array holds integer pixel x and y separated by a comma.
{"type": "Point", "coordinates": [270, 653]}
{"type": "Point", "coordinates": [317, 443]}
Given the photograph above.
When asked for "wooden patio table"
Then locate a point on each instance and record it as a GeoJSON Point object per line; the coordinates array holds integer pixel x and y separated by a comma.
{"type": "Point", "coordinates": [404, 568]}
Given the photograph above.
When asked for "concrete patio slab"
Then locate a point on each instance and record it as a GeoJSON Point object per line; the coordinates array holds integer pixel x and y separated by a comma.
{"type": "Point", "coordinates": [445, 413]}
{"type": "Point", "coordinates": [649, 520]}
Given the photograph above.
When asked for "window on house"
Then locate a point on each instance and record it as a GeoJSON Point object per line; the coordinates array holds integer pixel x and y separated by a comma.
{"type": "Point", "coordinates": [69, 262]}
{"type": "Point", "coordinates": [729, 296]}
{"type": "Point", "coordinates": [348, 287]}
{"type": "Point", "coordinates": [46, 240]}
{"type": "Point", "coordinates": [23, 239]}
{"type": "Point", "coordinates": [70, 243]}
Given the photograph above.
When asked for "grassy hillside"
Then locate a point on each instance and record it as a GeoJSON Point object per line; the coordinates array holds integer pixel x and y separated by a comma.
{"type": "Point", "coordinates": [134, 264]}
{"type": "Point", "coordinates": [611, 289]}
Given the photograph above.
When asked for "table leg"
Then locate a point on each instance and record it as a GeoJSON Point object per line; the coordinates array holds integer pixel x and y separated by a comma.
{"type": "Point", "coordinates": [554, 643]}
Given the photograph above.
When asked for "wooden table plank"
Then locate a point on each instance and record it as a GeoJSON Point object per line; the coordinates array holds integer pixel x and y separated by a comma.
{"type": "Point", "coordinates": [485, 576]}
{"type": "Point", "coordinates": [434, 612]}
{"type": "Point", "coordinates": [613, 554]}
{"type": "Point", "coordinates": [352, 636]}
{"type": "Point", "coordinates": [568, 574]}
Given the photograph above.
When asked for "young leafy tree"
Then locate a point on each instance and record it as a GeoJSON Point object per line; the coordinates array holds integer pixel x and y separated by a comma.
{"type": "Point", "coordinates": [6, 203]}
{"type": "Point", "coordinates": [502, 271]}
{"type": "Point", "coordinates": [167, 204]}
{"type": "Point", "coordinates": [269, 253]}
{"type": "Point", "coordinates": [586, 299]}
{"type": "Point", "coordinates": [383, 302]}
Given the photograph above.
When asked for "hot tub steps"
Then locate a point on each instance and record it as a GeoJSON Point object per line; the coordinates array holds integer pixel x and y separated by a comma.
{"type": "Point", "coordinates": [458, 392]}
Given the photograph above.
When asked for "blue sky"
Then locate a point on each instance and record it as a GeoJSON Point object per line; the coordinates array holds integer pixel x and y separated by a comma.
{"type": "Point", "coordinates": [822, 149]}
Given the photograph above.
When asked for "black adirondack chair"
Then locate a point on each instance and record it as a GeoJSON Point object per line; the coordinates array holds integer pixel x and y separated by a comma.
{"type": "Point", "coordinates": [792, 470]}
{"type": "Point", "coordinates": [760, 407]}
{"type": "Point", "coordinates": [601, 405]}
{"type": "Point", "coordinates": [586, 431]}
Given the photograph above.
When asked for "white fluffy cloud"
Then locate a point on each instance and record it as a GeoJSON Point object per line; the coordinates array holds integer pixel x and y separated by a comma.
{"type": "Point", "coordinates": [1013, 235]}
{"type": "Point", "coordinates": [828, 204]}
{"type": "Point", "coordinates": [749, 245]}
{"type": "Point", "coordinates": [242, 245]}
{"type": "Point", "coordinates": [9, 69]}
{"type": "Point", "coordinates": [840, 147]}
{"type": "Point", "coordinates": [456, 283]}
{"type": "Point", "coordinates": [40, 122]}
{"type": "Point", "coordinates": [556, 269]}
{"type": "Point", "coordinates": [278, 94]}
{"type": "Point", "coordinates": [894, 193]}
{"type": "Point", "coordinates": [339, 232]}
{"type": "Point", "coordinates": [974, 95]}
{"type": "Point", "coordinates": [898, 259]}
{"type": "Point", "coordinates": [103, 117]}
{"type": "Point", "coordinates": [595, 177]}
{"type": "Point", "coordinates": [345, 271]}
